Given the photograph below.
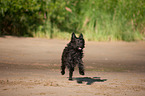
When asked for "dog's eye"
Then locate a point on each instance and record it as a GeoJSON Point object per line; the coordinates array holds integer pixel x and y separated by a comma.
{"type": "Point", "coordinates": [81, 41]}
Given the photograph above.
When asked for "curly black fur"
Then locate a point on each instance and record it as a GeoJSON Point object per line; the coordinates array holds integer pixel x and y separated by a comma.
{"type": "Point", "coordinates": [72, 55]}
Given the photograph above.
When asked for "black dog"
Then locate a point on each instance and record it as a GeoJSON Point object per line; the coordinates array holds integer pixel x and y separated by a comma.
{"type": "Point", "coordinates": [72, 55]}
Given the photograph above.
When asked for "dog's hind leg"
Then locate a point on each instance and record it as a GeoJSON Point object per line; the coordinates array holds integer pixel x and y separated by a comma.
{"type": "Point", "coordinates": [63, 69]}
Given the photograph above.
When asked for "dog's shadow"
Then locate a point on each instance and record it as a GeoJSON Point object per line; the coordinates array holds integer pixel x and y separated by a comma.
{"type": "Point", "coordinates": [88, 80]}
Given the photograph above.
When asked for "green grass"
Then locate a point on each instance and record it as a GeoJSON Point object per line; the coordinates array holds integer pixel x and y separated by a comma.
{"type": "Point", "coordinates": [98, 20]}
{"type": "Point", "coordinates": [102, 20]}
{"type": "Point", "coordinates": [112, 21]}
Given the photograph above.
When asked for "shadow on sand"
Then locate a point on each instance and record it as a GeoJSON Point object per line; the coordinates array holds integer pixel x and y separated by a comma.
{"type": "Point", "coordinates": [88, 80]}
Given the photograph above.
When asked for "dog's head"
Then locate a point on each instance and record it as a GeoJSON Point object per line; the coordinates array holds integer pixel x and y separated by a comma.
{"type": "Point", "coordinates": [77, 42]}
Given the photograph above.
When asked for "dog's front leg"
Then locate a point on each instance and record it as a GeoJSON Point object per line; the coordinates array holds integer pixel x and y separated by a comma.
{"type": "Point", "coordinates": [71, 69]}
{"type": "Point", "coordinates": [81, 67]}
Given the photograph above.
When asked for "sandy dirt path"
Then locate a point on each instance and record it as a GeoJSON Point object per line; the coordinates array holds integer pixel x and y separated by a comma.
{"type": "Point", "coordinates": [31, 67]}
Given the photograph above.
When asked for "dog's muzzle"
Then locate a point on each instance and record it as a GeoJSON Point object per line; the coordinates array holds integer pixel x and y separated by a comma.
{"type": "Point", "coordinates": [79, 48]}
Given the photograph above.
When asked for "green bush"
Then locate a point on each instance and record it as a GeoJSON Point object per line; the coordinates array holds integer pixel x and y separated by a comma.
{"type": "Point", "coordinates": [99, 20]}
{"type": "Point", "coordinates": [21, 17]}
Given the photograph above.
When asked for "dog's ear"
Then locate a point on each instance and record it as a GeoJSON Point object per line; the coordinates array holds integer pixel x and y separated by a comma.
{"type": "Point", "coordinates": [73, 36]}
{"type": "Point", "coordinates": [81, 36]}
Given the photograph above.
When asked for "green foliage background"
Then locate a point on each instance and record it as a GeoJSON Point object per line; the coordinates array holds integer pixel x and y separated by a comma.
{"type": "Point", "coordinates": [99, 20]}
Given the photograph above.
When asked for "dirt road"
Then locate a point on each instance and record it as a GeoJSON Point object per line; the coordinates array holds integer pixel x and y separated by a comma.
{"type": "Point", "coordinates": [31, 67]}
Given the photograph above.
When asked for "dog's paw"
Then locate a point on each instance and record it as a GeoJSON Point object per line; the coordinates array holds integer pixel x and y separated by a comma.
{"type": "Point", "coordinates": [82, 73]}
{"type": "Point", "coordinates": [70, 79]}
{"type": "Point", "coordinates": [62, 72]}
